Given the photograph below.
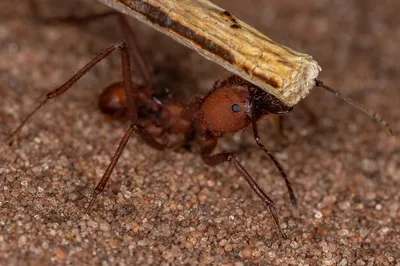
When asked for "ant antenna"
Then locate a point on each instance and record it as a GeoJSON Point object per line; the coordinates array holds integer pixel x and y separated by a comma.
{"type": "Point", "coordinates": [369, 112]}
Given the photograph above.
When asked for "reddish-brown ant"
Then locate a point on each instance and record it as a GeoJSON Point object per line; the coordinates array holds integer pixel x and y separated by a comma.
{"type": "Point", "coordinates": [232, 104]}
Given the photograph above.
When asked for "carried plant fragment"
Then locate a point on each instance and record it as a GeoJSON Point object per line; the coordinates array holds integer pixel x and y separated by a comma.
{"type": "Point", "coordinates": [219, 36]}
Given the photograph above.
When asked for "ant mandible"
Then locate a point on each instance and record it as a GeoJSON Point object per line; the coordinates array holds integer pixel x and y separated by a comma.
{"type": "Point", "coordinates": [232, 104]}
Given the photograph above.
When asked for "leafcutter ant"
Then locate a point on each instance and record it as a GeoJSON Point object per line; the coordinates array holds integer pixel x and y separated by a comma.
{"type": "Point", "coordinates": [231, 105]}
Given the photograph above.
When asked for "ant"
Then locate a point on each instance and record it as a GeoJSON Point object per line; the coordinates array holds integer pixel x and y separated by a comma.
{"type": "Point", "coordinates": [231, 105]}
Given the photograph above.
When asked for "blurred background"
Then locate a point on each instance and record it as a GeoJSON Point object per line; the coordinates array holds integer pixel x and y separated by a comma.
{"type": "Point", "coordinates": [169, 207]}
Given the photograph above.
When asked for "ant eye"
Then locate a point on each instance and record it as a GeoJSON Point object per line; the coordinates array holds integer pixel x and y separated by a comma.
{"type": "Point", "coordinates": [235, 108]}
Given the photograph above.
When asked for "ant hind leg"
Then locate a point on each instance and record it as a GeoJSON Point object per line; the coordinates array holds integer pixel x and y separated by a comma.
{"type": "Point", "coordinates": [142, 63]}
{"type": "Point", "coordinates": [64, 87]}
{"type": "Point", "coordinates": [135, 126]}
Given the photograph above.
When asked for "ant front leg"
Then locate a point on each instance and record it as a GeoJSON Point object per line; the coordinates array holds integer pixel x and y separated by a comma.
{"type": "Point", "coordinates": [254, 116]}
{"type": "Point", "coordinates": [213, 160]}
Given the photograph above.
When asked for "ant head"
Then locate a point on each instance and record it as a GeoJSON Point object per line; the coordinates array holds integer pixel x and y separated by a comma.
{"type": "Point", "coordinates": [226, 109]}
{"type": "Point", "coordinates": [229, 107]}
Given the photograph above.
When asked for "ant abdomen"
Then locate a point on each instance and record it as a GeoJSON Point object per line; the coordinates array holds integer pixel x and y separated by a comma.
{"type": "Point", "coordinates": [112, 101]}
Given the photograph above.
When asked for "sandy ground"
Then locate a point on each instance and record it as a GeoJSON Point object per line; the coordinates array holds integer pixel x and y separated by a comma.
{"type": "Point", "coordinates": [169, 208]}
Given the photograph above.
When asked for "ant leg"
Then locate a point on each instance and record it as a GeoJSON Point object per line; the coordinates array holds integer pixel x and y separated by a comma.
{"type": "Point", "coordinates": [131, 96]}
{"type": "Point", "coordinates": [369, 112]}
{"type": "Point", "coordinates": [143, 64]}
{"type": "Point", "coordinates": [271, 156]}
{"type": "Point", "coordinates": [63, 88]}
{"type": "Point", "coordinates": [219, 158]}
{"type": "Point", "coordinates": [129, 35]}
{"type": "Point", "coordinates": [106, 176]}
{"type": "Point", "coordinates": [145, 135]}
